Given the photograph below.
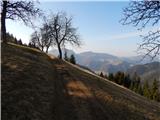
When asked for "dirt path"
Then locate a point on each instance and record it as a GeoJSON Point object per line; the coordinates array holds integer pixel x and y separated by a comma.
{"type": "Point", "coordinates": [78, 98]}
{"type": "Point", "coordinates": [40, 87]}
{"type": "Point", "coordinates": [74, 99]}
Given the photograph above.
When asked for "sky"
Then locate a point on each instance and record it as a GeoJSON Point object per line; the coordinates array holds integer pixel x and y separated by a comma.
{"type": "Point", "coordinates": [98, 25]}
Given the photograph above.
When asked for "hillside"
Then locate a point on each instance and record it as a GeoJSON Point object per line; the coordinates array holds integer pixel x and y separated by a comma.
{"type": "Point", "coordinates": [149, 71]}
{"type": "Point", "coordinates": [36, 86]}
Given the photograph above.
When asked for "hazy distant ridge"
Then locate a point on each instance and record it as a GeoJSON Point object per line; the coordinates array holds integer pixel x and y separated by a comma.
{"type": "Point", "coordinates": [104, 62]}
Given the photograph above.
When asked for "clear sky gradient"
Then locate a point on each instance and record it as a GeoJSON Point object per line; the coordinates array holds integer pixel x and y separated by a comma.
{"type": "Point", "coordinates": [98, 25]}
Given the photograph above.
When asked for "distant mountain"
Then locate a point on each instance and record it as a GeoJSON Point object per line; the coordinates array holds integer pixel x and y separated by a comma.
{"type": "Point", "coordinates": [149, 71]}
{"type": "Point", "coordinates": [87, 57]}
{"type": "Point", "coordinates": [138, 59]}
{"type": "Point", "coordinates": [103, 62]}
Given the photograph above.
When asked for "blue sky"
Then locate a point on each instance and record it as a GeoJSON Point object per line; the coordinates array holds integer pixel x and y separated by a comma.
{"type": "Point", "coordinates": [98, 25]}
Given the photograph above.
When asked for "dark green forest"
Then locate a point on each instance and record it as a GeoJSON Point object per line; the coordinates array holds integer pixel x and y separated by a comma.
{"type": "Point", "coordinates": [134, 83]}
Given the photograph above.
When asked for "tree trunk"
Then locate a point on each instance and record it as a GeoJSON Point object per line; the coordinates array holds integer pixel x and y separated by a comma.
{"type": "Point", "coordinates": [3, 21]}
{"type": "Point", "coordinates": [60, 52]}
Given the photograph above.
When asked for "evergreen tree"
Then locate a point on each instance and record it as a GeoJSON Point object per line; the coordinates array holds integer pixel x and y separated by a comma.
{"type": "Point", "coordinates": [111, 76]}
{"type": "Point", "coordinates": [137, 86]}
{"type": "Point", "coordinates": [10, 38]}
{"type": "Point", "coordinates": [140, 90]}
{"type": "Point", "coordinates": [154, 85]}
{"type": "Point", "coordinates": [65, 56]}
{"type": "Point", "coordinates": [131, 86]}
{"type": "Point", "coordinates": [146, 90]}
{"type": "Point", "coordinates": [30, 44]}
{"type": "Point", "coordinates": [136, 83]}
{"type": "Point", "coordinates": [101, 74]}
{"type": "Point", "coordinates": [121, 79]}
{"type": "Point", "coordinates": [15, 40]}
{"type": "Point", "coordinates": [127, 81]}
{"type": "Point", "coordinates": [156, 95]}
{"type": "Point", "coordinates": [19, 42]}
{"type": "Point", "coordinates": [118, 77]}
{"type": "Point", "coordinates": [72, 59]}
{"type": "Point", "coordinates": [155, 92]}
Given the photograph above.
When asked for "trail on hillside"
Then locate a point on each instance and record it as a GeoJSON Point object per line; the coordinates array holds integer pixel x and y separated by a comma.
{"type": "Point", "coordinates": [35, 86]}
{"type": "Point", "coordinates": [81, 98]}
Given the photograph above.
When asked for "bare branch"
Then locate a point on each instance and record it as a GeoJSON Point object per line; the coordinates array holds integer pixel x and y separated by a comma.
{"type": "Point", "coordinates": [142, 13]}
{"type": "Point", "coordinates": [150, 45]}
{"type": "Point", "coordinates": [22, 10]}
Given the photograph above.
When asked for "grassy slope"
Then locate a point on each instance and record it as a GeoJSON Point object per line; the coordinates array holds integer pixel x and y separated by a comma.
{"type": "Point", "coordinates": [35, 86]}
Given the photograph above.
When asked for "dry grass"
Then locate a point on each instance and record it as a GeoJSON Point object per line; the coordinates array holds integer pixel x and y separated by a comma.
{"type": "Point", "coordinates": [36, 86]}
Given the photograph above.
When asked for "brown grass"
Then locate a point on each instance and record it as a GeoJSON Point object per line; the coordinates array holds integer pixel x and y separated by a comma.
{"type": "Point", "coordinates": [42, 87]}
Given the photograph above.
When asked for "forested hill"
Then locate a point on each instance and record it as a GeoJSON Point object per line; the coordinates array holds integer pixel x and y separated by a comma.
{"type": "Point", "coordinates": [35, 86]}
{"type": "Point", "coordinates": [149, 71]}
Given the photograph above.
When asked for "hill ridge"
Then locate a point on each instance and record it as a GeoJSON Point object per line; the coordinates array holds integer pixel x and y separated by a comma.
{"type": "Point", "coordinates": [64, 91]}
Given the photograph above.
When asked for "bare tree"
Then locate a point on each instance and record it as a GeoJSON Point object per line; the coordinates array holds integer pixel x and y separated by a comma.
{"type": "Point", "coordinates": [42, 37]}
{"type": "Point", "coordinates": [142, 13]}
{"type": "Point", "coordinates": [63, 32]}
{"type": "Point", "coordinates": [46, 35]}
{"type": "Point", "coordinates": [36, 40]}
{"type": "Point", "coordinates": [16, 10]}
